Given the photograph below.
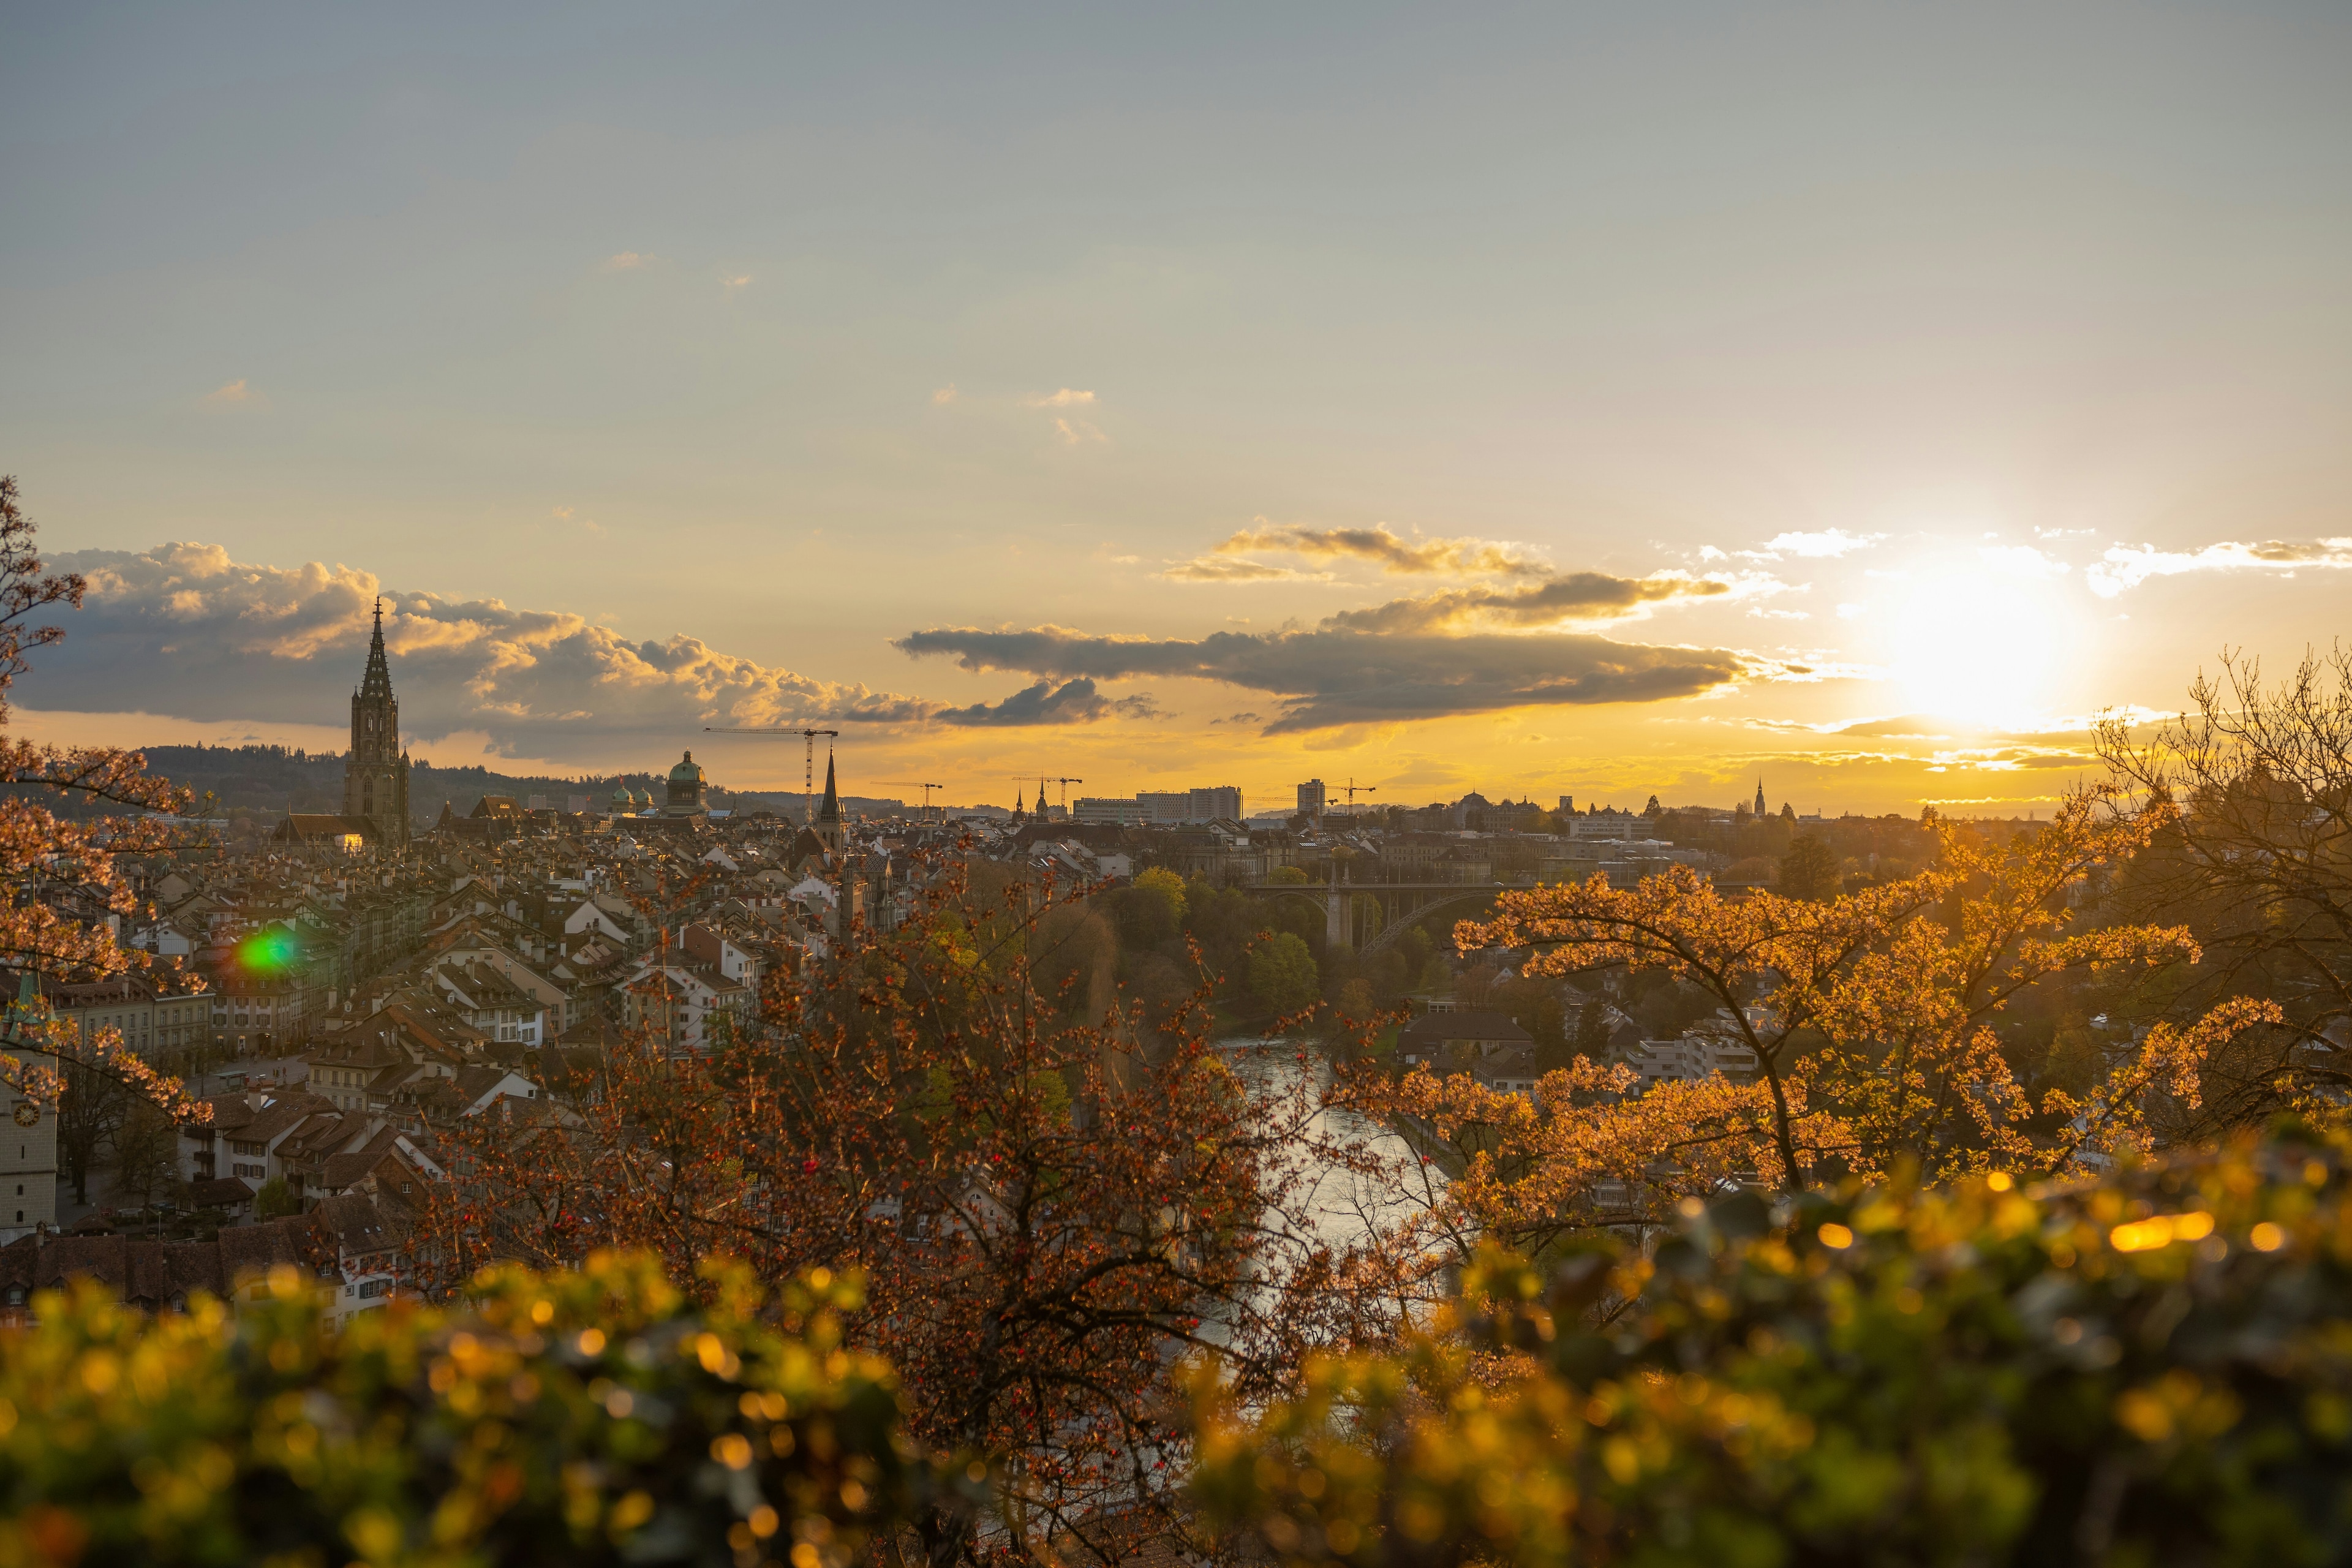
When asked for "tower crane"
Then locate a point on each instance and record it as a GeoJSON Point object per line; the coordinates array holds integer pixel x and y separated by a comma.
{"type": "Point", "coordinates": [1045, 779]}
{"type": "Point", "coordinates": [1351, 789]}
{"type": "Point", "coordinates": [808, 766]}
{"type": "Point", "coordinates": [917, 783]}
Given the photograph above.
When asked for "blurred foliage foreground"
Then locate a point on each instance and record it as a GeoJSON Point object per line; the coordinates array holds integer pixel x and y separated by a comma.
{"type": "Point", "coordinates": [2153, 1368]}
{"type": "Point", "coordinates": [585, 1417]}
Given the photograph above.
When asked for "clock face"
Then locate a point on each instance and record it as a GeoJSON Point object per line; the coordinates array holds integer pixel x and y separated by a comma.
{"type": "Point", "coordinates": [28, 1113]}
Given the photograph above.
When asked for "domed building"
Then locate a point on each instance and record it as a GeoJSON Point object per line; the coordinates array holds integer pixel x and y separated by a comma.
{"type": "Point", "coordinates": [684, 789]}
{"type": "Point", "coordinates": [682, 804]}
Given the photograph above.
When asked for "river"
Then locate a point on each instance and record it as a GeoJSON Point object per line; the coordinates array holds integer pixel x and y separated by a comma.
{"type": "Point", "coordinates": [1345, 1208]}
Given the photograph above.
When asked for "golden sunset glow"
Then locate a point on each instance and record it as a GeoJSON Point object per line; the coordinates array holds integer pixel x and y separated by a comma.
{"type": "Point", "coordinates": [1860, 421]}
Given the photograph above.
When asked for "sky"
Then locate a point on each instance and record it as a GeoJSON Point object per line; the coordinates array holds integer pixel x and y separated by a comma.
{"type": "Point", "coordinates": [1575, 399]}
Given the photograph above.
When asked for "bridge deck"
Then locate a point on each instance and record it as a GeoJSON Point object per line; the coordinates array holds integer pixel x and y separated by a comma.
{"type": "Point", "coordinates": [1393, 886]}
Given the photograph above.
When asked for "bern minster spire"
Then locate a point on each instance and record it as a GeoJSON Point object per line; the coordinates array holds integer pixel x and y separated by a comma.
{"type": "Point", "coordinates": [376, 773]}
{"type": "Point", "coordinates": [377, 681]}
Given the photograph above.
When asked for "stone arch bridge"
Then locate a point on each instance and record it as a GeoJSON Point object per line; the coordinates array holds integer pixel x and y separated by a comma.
{"type": "Point", "coordinates": [1378, 914]}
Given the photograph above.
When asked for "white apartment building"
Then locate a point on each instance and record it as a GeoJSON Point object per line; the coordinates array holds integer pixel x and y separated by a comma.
{"type": "Point", "coordinates": [1693, 1058]}
{"type": "Point", "coordinates": [1165, 808]}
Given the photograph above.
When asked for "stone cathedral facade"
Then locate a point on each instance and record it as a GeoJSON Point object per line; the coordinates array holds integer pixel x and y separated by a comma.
{"type": "Point", "coordinates": [375, 773]}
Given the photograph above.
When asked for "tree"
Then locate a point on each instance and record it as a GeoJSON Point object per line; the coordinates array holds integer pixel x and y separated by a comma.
{"type": "Point", "coordinates": [60, 880]}
{"type": "Point", "coordinates": [1168, 887]}
{"type": "Point", "coordinates": [1809, 870]}
{"type": "Point", "coordinates": [599, 1419]}
{"type": "Point", "coordinates": [2251, 790]}
{"type": "Point", "coordinates": [1049, 1211]}
{"type": "Point", "coordinates": [1283, 975]}
{"type": "Point", "coordinates": [1976, 1373]}
{"type": "Point", "coordinates": [1592, 1027]}
{"type": "Point", "coordinates": [1868, 1017]}
{"type": "Point", "coordinates": [275, 1199]}
{"type": "Point", "coordinates": [90, 1109]}
{"type": "Point", "coordinates": [146, 1153]}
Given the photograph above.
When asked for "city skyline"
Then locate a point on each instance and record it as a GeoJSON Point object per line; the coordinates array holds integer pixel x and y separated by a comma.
{"type": "Point", "coordinates": [1592, 403]}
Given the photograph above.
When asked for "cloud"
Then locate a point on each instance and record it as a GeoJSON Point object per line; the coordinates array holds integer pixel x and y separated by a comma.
{"type": "Point", "coordinates": [1065, 398]}
{"type": "Point", "coordinates": [1576, 596]}
{"type": "Point", "coordinates": [1073, 703]}
{"type": "Point", "coordinates": [1227, 569]}
{"type": "Point", "coordinates": [2009, 759]}
{"type": "Point", "coordinates": [945, 395]}
{"type": "Point", "coordinates": [185, 631]}
{"type": "Point", "coordinates": [626, 261]}
{"type": "Point", "coordinates": [233, 393]}
{"type": "Point", "coordinates": [1076, 432]}
{"type": "Point", "coordinates": [732, 284]}
{"type": "Point", "coordinates": [1391, 552]}
{"type": "Point", "coordinates": [1337, 675]}
{"type": "Point", "coordinates": [2127, 566]}
{"type": "Point", "coordinates": [1830, 543]}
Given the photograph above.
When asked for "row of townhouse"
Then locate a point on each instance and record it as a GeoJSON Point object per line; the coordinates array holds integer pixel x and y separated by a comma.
{"type": "Point", "coordinates": [704, 987]}
{"type": "Point", "coordinates": [158, 1014]}
{"type": "Point", "coordinates": [411, 1060]}
{"type": "Point", "coordinates": [356, 1248]}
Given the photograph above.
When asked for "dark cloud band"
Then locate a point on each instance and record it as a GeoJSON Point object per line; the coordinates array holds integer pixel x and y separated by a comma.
{"type": "Point", "coordinates": [1336, 676]}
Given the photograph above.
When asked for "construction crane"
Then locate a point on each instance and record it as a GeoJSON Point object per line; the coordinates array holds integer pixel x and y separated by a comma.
{"type": "Point", "coordinates": [1351, 789]}
{"type": "Point", "coordinates": [808, 766]}
{"type": "Point", "coordinates": [914, 784]}
{"type": "Point", "coordinates": [1045, 779]}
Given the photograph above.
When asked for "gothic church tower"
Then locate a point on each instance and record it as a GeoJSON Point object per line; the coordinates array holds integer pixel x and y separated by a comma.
{"type": "Point", "coordinates": [376, 774]}
{"type": "Point", "coordinates": [827, 826]}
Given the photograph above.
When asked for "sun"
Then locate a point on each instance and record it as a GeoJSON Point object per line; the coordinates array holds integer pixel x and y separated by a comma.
{"type": "Point", "coordinates": [1985, 638]}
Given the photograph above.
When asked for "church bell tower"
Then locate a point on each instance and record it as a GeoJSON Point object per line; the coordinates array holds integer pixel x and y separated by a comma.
{"type": "Point", "coordinates": [376, 774]}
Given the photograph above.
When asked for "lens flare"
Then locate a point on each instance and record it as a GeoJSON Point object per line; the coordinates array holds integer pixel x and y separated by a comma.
{"type": "Point", "coordinates": [266, 951]}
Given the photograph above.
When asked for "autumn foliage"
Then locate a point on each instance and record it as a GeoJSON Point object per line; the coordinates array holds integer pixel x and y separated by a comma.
{"type": "Point", "coordinates": [1049, 1211]}
{"type": "Point", "coordinates": [2152, 1368]}
{"type": "Point", "coordinates": [1870, 1020]}
{"type": "Point", "coordinates": [59, 878]}
{"type": "Point", "coordinates": [595, 1416]}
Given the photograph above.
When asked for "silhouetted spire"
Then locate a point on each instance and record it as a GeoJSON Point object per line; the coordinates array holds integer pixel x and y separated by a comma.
{"type": "Point", "coordinates": [829, 808]}
{"type": "Point", "coordinates": [377, 681]}
{"type": "Point", "coordinates": [1760, 795]}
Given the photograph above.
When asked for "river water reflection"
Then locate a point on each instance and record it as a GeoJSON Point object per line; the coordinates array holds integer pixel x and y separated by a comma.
{"type": "Point", "coordinates": [1347, 1207]}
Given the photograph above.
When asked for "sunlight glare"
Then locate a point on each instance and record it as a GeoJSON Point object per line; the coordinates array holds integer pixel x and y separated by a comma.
{"type": "Point", "coordinates": [1984, 637]}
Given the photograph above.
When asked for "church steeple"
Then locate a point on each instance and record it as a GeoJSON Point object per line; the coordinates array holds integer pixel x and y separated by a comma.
{"type": "Point", "coordinates": [376, 773]}
{"type": "Point", "coordinates": [828, 810]}
{"type": "Point", "coordinates": [1760, 795]}
{"type": "Point", "coordinates": [377, 681]}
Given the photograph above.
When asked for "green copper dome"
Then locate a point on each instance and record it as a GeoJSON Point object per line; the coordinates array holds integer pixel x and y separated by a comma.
{"type": "Point", "coordinates": [687, 771]}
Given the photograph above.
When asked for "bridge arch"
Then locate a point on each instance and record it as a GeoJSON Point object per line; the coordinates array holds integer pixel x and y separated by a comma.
{"type": "Point", "coordinates": [1392, 932]}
